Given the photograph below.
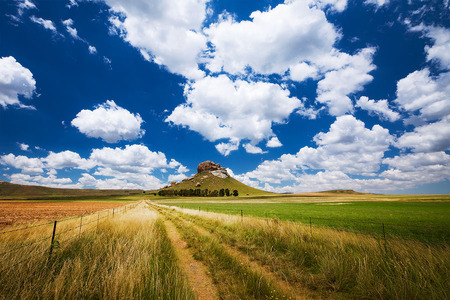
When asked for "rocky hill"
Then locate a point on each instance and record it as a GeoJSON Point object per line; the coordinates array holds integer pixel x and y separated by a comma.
{"type": "Point", "coordinates": [213, 177]}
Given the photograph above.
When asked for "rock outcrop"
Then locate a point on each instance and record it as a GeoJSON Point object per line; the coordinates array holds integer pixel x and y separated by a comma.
{"type": "Point", "coordinates": [215, 169]}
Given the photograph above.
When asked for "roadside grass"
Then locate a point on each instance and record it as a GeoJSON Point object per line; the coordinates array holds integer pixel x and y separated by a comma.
{"type": "Point", "coordinates": [126, 257]}
{"type": "Point", "coordinates": [336, 264]}
{"type": "Point", "coordinates": [424, 221]}
{"type": "Point", "coordinates": [233, 279]}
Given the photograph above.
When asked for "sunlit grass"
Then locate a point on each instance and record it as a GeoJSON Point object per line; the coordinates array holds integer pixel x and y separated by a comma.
{"type": "Point", "coordinates": [336, 263]}
{"type": "Point", "coordinates": [126, 257]}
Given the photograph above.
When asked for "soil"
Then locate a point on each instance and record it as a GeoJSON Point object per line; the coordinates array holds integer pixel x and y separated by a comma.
{"type": "Point", "coordinates": [195, 271]}
{"type": "Point", "coordinates": [297, 292]}
{"type": "Point", "coordinates": [14, 212]}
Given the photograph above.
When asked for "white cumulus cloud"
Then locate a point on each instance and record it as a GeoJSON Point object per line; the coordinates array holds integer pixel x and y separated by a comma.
{"type": "Point", "coordinates": [249, 148]}
{"type": "Point", "coordinates": [350, 77]}
{"type": "Point", "coordinates": [348, 147]}
{"type": "Point", "coordinates": [168, 30]}
{"type": "Point", "coordinates": [219, 108]}
{"type": "Point", "coordinates": [15, 80]}
{"type": "Point", "coordinates": [440, 50]}
{"type": "Point", "coordinates": [272, 40]}
{"type": "Point", "coordinates": [380, 107]}
{"type": "Point", "coordinates": [66, 159]}
{"type": "Point", "coordinates": [109, 122]}
{"type": "Point", "coordinates": [425, 95]}
{"type": "Point", "coordinates": [25, 164]}
{"type": "Point", "coordinates": [430, 137]}
{"type": "Point", "coordinates": [23, 146]}
{"type": "Point", "coordinates": [274, 142]}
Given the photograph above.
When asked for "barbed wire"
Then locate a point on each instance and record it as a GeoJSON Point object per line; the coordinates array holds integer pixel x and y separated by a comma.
{"type": "Point", "coordinates": [25, 245]}
{"type": "Point", "coordinates": [14, 250]}
{"type": "Point", "coordinates": [25, 228]}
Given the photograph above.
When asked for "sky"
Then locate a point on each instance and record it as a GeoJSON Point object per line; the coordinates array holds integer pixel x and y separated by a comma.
{"type": "Point", "coordinates": [293, 96]}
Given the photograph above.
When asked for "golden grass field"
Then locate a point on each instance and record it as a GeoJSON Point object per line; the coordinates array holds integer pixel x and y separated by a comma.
{"type": "Point", "coordinates": [154, 251]}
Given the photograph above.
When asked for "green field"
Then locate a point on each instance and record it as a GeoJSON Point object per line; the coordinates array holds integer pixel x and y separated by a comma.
{"type": "Point", "coordinates": [426, 221]}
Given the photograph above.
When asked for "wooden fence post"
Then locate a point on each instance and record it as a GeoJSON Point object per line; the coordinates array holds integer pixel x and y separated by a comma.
{"type": "Point", "coordinates": [53, 239]}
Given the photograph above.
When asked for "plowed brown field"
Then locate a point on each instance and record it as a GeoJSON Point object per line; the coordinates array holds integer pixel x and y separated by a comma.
{"type": "Point", "coordinates": [13, 212]}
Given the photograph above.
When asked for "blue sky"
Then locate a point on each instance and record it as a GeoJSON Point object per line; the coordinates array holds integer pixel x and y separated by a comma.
{"type": "Point", "coordinates": [293, 96]}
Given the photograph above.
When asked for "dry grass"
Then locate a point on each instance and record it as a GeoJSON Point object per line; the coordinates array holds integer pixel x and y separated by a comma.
{"type": "Point", "coordinates": [127, 257]}
{"type": "Point", "coordinates": [337, 264]}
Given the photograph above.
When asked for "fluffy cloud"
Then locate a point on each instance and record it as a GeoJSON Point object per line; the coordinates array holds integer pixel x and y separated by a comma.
{"type": "Point", "coordinates": [166, 31]}
{"type": "Point", "coordinates": [427, 138]}
{"type": "Point", "coordinates": [302, 71]}
{"type": "Point", "coordinates": [132, 158]}
{"type": "Point", "coordinates": [66, 159]}
{"type": "Point", "coordinates": [15, 80]}
{"type": "Point", "coordinates": [109, 122]}
{"type": "Point", "coordinates": [47, 24]}
{"type": "Point", "coordinates": [274, 142]}
{"type": "Point", "coordinates": [380, 107]}
{"type": "Point", "coordinates": [428, 96]}
{"type": "Point", "coordinates": [418, 168]}
{"type": "Point", "coordinates": [23, 146]}
{"type": "Point", "coordinates": [219, 108]}
{"type": "Point", "coordinates": [50, 181]}
{"type": "Point", "coordinates": [272, 41]}
{"type": "Point", "coordinates": [25, 164]}
{"type": "Point", "coordinates": [118, 168]}
{"type": "Point", "coordinates": [130, 167]}
{"type": "Point", "coordinates": [347, 147]}
{"type": "Point", "coordinates": [249, 148]}
{"type": "Point", "coordinates": [226, 148]}
{"type": "Point", "coordinates": [336, 5]}
{"type": "Point", "coordinates": [350, 76]}
{"type": "Point", "coordinates": [92, 49]}
{"type": "Point", "coordinates": [440, 50]}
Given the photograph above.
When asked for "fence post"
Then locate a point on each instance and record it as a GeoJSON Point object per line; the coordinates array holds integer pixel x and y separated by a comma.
{"type": "Point", "coordinates": [81, 225]}
{"type": "Point", "coordinates": [53, 239]}
{"type": "Point", "coordinates": [242, 215]}
{"type": "Point", "coordinates": [384, 233]}
{"type": "Point", "coordinates": [98, 218]}
{"type": "Point", "coordinates": [310, 226]}
{"type": "Point", "coordinates": [113, 212]}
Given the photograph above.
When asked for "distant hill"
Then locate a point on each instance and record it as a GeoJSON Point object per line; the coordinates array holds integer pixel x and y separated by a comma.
{"type": "Point", "coordinates": [206, 180]}
{"type": "Point", "coordinates": [11, 191]}
{"type": "Point", "coordinates": [347, 192]}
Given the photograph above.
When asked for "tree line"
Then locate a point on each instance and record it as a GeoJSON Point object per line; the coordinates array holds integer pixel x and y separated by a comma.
{"type": "Point", "coordinates": [198, 193]}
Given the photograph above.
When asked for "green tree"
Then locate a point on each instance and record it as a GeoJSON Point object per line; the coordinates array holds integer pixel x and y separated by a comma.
{"type": "Point", "coordinates": [235, 193]}
{"type": "Point", "coordinates": [222, 192]}
{"type": "Point", "coordinates": [227, 192]}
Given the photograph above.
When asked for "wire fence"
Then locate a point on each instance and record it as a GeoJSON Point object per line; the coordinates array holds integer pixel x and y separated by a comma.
{"type": "Point", "coordinates": [20, 245]}
{"type": "Point", "coordinates": [422, 232]}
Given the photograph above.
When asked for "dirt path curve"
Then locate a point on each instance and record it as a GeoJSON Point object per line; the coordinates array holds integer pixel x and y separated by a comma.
{"type": "Point", "coordinates": [195, 271]}
{"type": "Point", "coordinates": [297, 292]}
